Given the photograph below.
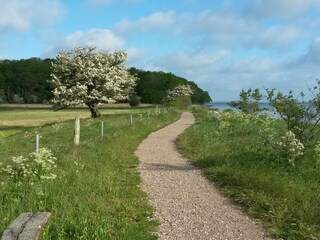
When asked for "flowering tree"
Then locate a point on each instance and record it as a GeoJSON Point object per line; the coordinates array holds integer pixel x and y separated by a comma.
{"type": "Point", "coordinates": [86, 76]}
{"type": "Point", "coordinates": [181, 90]}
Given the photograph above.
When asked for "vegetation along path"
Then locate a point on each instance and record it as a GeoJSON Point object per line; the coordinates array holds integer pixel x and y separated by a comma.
{"type": "Point", "coordinates": [186, 204]}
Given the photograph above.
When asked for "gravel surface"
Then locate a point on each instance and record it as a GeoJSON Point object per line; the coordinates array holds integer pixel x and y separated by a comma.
{"type": "Point", "coordinates": [186, 204]}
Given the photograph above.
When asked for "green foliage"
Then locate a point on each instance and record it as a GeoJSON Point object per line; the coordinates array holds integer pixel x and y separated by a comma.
{"type": "Point", "coordinates": [28, 78]}
{"type": "Point", "coordinates": [37, 166]}
{"type": "Point", "coordinates": [134, 100]}
{"type": "Point", "coordinates": [238, 153]}
{"type": "Point", "coordinates": [181, 102]}
{"type": "Point", "coordinates": [25, 78]}
{"type": "Point", "coordinates": [249, 101]}
{"type": "Point", "coordinates": [153, 86]}
{"type": "Point", "coordinates": [299, 116]}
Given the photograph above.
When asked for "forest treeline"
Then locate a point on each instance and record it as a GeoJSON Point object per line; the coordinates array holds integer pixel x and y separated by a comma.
{"type": "Point", "coordinates": [25, 81]}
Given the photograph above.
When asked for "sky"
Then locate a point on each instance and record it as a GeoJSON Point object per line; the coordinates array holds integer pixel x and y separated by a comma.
{"type": "Point", "coordinates": [223, 46]}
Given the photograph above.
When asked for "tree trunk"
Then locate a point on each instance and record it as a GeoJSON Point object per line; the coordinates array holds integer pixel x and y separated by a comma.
{"type": "Point", "coordinates": [94, 111]}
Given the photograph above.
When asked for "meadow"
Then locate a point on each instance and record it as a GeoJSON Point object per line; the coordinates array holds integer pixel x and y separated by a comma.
{"type": "Point", "coordinates": [235, 153]}
{"type": "Point", "coordinates": [96, 193]}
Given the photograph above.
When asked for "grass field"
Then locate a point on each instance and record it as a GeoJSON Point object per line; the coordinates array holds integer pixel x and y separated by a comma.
{"type": "Point", "coordinates": [96, 194]}
{"type": "Point", "coordinates": [285, 197]}
{"type": "Point", "coordinates": [26, 117]}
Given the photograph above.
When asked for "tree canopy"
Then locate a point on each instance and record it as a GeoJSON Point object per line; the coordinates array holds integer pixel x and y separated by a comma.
{"type": "Point", "coordinates": [153, 87]}
{"type": "Point", "coordinates": [86, 76]}
{"type": "Point", "coordinates": [26, 81]}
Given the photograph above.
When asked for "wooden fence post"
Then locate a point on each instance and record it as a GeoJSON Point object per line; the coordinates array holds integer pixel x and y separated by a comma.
{"type": "Point", "coordinates": [77, 131]}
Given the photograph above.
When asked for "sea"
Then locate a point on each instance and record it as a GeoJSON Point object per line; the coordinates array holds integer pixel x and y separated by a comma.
{"type": "Point", "coordinates": [225, 105]}
{"type": "Point", "coordinates": [263, 105]}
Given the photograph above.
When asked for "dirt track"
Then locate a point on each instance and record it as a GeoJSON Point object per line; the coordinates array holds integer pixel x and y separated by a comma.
{"type": "Point", "coordinates": [186, 204]}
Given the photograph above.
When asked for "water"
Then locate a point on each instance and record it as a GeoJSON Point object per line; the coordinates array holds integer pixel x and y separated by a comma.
{"type": "Point", "coordinates": [220, 105]}
{"type": "Point", "coordinates": [224, 105]}
{"type": "Point", "coordinates": [264, 105]}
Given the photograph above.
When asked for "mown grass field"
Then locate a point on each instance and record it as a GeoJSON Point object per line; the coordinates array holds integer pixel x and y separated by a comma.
{"type": "Point", "coordinates": [96, 194]}
{"type": "Point", "coordinates": [285, 197]}
{"type": "Point", "coordinates": [24, 117]}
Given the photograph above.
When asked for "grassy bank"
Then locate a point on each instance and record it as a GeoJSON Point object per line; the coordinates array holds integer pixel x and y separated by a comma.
{"type": "Point", "coordinates": [96, 194]}
{"type": "Point", "coordinates": [237, 158]}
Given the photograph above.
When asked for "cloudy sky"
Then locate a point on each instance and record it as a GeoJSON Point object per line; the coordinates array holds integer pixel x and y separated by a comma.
{"type": "Point", "coordinates": [222, 45]}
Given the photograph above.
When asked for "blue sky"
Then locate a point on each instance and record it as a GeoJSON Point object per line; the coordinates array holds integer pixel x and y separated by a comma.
{"type": "Point", "coordinates": [222, 45]}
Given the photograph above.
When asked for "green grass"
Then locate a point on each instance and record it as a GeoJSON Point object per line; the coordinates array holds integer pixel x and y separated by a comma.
{"type": "Point", "coordinates": [285, 198]}
{"type": "Point", "coordinates": [22, 117]}
{"type": "Point", "coordinates": [97, 193]}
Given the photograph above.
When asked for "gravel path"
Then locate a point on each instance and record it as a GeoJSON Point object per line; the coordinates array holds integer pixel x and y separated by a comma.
{"type": "Point", "coordinates": [186, 204]}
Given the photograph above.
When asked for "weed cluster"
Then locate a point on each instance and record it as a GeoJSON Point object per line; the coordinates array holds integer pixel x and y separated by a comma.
{"type": "Point", "coordinates": [37, 166]}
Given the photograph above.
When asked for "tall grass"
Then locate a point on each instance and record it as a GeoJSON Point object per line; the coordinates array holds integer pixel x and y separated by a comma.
{"type": "Point", "coordinates": [97, 193]}
{"type": "Point", "coordinates": [286, 198]}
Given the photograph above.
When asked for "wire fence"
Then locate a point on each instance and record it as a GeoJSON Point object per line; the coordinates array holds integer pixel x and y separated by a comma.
{"type": "Point", "coordinates": [61, 134]}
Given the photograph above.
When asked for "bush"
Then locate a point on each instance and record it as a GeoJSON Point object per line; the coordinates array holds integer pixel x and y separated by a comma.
{"type": "Point", "coordinates": [249, 101]}
{"type": "Point", "coordinates": [181, 102]}
{"type": "Point", "coordinates": [134, 100]}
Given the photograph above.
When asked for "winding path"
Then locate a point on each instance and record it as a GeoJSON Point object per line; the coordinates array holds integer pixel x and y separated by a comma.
{"type": "Point", "coordinates": [186, 204]}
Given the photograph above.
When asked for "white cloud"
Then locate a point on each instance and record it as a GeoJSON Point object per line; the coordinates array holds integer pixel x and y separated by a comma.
{"type": "Point", "coordinates": [278, 37]}
{"type": "Point", "coordinates": [137, 56]}
{"type": "Point", "coordinates": [279, 8]}
{"type": "Point", "coordinates": [221, 29]}
{"type": "Point", "coordinates": [192, 61]}
{"type": "Point", "coordinates": [253, 65]}
{"type": "Point", "coordinates": [103, 39]}
{"type": "Point", "coordinates": [189, 63]}
{"type": "Point", "coordinates": [313, 54]}
{"type": "Point", "coordinates": [309, 59]}
{"type": "Point", "coordinates": [155, 21]}
{"type": "Point", "coordinates": [228, 30]}
{"type": "Point", "coordinates": [18, 15]}
{"type": "Point", "coordinates": [108, 2]}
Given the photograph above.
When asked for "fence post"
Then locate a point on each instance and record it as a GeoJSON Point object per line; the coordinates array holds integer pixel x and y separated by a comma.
{"type": "Point", "coordinates": [157, 110]}
{"type": "Point", "coordinates": [102, 129]}
{"type": "Point", "coordinates": [131, 120]}
{"type": "Point", "coordinates": [77, 131]}
{"type": "Point", "coordinates": [37, 142]}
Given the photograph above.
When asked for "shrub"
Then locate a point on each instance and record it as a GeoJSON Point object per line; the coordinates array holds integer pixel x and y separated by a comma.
{"type": "Point", "coordinates": [249, 101]}
{"type": "Point", "coordinates": [289, 148]}
{"type": "Point", "coordinates": [301, 117]}
{"type": "Point", "coordinates": [181, 102]}
{"type": "Point", "coordinates": [134, 100]}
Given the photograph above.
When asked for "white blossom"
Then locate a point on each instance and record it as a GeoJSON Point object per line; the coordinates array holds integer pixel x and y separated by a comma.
{"type": "Point", "coordinates": [181, 90]}
{"type": "Point", "coordinates": [37, 166]}
{"type": "Point", "coordinates": [84, 76]}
